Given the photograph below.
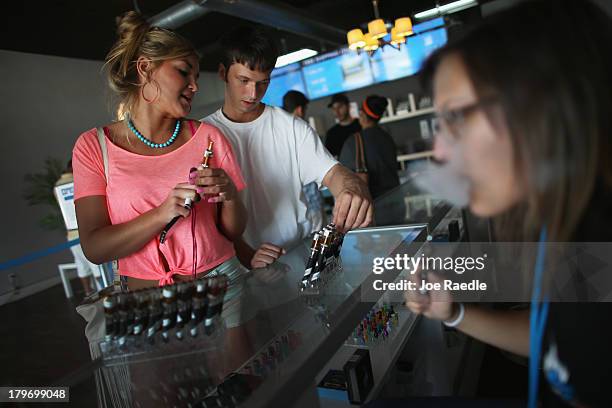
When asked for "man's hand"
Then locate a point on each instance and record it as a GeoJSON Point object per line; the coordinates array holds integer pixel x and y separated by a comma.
{"type": "Point", "coordinates": [265, 255]}
{"type": "Point", "coordinates": [353, 208]}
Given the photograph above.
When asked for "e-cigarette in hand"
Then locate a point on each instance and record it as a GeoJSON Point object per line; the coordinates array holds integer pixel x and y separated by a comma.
{"type": "Point", "coordinates": [208, 153]}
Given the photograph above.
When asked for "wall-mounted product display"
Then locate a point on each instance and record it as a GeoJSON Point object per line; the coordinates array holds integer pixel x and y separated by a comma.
{"type": "Point", "coordinates": [346, 70]}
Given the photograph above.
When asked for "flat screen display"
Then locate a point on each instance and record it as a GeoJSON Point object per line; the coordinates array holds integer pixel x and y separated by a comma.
{"type": "Point", "coordinates": [282, 80]}
{"type": "Point", "coordinates": [389, 63]}
{"type": "Point", "coordinates": [339, 73]}
{"type": "Point", "coordinates": [345, 70]}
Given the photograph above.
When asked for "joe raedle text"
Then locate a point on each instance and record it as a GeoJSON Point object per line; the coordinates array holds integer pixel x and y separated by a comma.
{"type": "Point", "coordinates": [423, 285]}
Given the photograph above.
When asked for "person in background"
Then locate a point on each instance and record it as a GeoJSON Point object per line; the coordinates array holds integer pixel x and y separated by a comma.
{"type": "Point", "coordinates": [278, 153]}
{"type": "Point", "coordinates": [346, 126]}
{"type": "Point", "coordinates": [85, 268]}
{"type": "Point", "coordinates": [379, 149]}
{"type": "Point", "coordinates": [296, 103]}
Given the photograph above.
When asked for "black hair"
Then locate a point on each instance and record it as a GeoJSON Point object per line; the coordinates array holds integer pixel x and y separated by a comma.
{"type": "Point", "coordinates": [377, 105]}
{"type": "Point", "coordinates": [250, 46]}
{"type": "Point", "coordinates": [294, 99]}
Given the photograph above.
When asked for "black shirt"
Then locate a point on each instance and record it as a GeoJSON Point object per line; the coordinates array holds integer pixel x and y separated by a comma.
{"type": "Point", "coordinates": [337, 135]}
{"type": "Point", "coordinates": [577, 349]}
{"type": "Point", "coordinates": [380, 156]}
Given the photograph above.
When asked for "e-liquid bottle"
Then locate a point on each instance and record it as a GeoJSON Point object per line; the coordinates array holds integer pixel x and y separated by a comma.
{"type": "Point", "coordinates": [168, 310]}
{"type": "Point", "coordinates": [197, 306]}
{"type": "Point", "coordinates": [141, 313]}
{"type": "Point", "coordinates": [183, 306]}
{"type": "Point", "coordinates": [155, 313]}
{"type": "Point", "coordinates": [215, 302]}
{"type": "Point", "coordinates": [109, 317]}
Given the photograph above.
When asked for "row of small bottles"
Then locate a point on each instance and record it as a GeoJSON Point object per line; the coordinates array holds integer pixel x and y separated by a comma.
{"type": "Point", "coordinates": [177, 310]}
{"type": "Point", "coordinates": [376, 325]}
{"type": "Point", "coordinates": [324, 256]}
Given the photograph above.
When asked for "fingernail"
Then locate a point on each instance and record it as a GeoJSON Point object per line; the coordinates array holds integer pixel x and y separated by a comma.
{"type": "Point", "coordinates": [212, 200]}
{"type": "Point", "coordinates": [200, 190]}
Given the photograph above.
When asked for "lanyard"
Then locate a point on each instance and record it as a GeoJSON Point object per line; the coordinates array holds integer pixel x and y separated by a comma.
{"type": "Point", "coordinates": [537, 322]}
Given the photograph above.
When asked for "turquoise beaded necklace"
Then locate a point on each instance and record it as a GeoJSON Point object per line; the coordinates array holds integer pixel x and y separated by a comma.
{"type": "Point", "coordinates": [149, 143]}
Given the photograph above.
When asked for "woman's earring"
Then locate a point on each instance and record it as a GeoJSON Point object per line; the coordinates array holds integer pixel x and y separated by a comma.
{"type": "Point", "coordinates": [157, 92]}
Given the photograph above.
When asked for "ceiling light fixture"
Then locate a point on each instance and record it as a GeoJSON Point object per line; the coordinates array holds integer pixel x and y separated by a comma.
{"type": "Point", "coordinates": [377, 31]}
{"type": "Point", "coordinates": [294, 57]}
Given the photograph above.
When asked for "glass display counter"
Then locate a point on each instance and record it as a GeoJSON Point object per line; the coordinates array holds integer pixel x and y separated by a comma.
{"type": "Point", "coordinates": [276, 358]}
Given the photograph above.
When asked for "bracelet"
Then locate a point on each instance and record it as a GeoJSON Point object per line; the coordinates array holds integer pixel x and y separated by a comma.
{"type": "Point", "coordinates": [459, 318]}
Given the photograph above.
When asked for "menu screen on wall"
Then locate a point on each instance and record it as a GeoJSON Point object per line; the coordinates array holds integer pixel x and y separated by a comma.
{"type": "Point", "coordinates": [336, 72]}
{"type": "Point", "coordinates": [282, 80]}
{"type": "Point", "coordinates": [345, 70]}
{"type": "Point", "coordinates": [390, 63]}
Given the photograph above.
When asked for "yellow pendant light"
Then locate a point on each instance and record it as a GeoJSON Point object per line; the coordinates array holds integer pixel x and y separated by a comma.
{"type": "Point", "coordinates": [377, 28]}
{"type": "Point", "coordinates": [403, 27]}
{"type": "Point", "coordinates": [371, 44]}
{"type": "Point", "coordinates": [355, 39]}
{"type": "Point", "coordinates": [397, 39]}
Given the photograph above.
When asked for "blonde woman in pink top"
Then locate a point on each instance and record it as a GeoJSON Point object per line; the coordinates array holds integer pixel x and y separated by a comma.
{"type": "Point", "coordinates": [151, 152]}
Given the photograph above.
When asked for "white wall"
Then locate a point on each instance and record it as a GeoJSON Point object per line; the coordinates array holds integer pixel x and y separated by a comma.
{"type": "Point", "coordinates": [46, 103]}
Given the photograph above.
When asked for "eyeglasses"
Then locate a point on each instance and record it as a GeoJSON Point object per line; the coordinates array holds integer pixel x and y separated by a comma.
{"type": "Point", "coordinates": [453, 120]}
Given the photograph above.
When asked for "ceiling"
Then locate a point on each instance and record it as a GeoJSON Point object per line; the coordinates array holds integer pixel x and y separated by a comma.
{"type": "Point", "coordinates": [85, 29]}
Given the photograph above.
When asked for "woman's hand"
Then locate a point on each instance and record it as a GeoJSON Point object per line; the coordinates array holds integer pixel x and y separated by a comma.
{"type": "Point", "coordinates": [215, 183]}
{"type": "Point", "coordinates": [265, 255]}
{"type": "Point", "coordinates": [434, 304]}
{"type": "Point", "coordinates": [174, 204]}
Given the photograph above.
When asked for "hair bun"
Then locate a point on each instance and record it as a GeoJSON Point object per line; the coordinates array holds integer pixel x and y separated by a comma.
{"type": "Point", "coordinates": [131, 24]}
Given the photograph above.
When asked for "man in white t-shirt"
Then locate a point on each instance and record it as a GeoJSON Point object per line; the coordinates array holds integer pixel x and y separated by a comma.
{"type": "Point", "coordinates": [278, 155]}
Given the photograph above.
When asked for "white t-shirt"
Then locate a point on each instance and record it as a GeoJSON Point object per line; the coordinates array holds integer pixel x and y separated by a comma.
{"type": "Point", "coordinates": [278, 155]}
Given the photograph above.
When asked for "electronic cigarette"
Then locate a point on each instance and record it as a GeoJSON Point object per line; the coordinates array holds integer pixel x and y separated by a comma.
{"type": "Point", "coordinates": [318, 267]}
{"type": "Point", "coordinates": [208, 153]}
{"type": "Point", "coordinates": [312, 259]}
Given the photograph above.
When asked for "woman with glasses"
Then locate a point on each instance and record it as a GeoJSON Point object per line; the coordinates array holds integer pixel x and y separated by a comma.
{"type": "Point", "coordinates": [524, 107]}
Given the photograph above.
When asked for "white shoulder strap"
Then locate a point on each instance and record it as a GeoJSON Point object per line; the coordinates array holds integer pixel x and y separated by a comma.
{"type": "Point", "coordinates": [102, 141]}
